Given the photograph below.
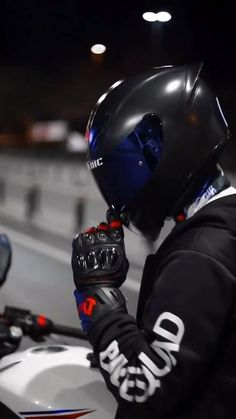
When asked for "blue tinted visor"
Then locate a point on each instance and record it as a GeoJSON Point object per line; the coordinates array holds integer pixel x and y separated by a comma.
{"type": "Point", "coordinates": [123, 172]}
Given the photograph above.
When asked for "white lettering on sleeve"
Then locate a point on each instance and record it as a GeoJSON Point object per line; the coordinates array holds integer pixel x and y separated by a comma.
{"type": "Point", "coordinates": [139, 383]}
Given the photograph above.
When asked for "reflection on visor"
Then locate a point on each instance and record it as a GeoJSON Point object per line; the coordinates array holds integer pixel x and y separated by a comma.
{"type": "Point", "coordinates": [149, 135]}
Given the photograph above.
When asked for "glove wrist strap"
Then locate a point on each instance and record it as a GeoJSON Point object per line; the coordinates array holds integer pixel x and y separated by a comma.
{"type": "Point", "coordinates": [94, 303]}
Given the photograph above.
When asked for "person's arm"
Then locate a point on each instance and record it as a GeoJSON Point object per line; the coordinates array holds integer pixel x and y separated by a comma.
{"type": "Point", "coordinates": [184, 321]}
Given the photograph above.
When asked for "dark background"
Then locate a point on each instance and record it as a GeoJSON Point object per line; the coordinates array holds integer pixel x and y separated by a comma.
{"type": "Point", "coordinates": [48, 71]}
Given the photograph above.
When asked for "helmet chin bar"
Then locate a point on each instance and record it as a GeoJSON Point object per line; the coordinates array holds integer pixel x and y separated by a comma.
{"type": "Point", "coordinates": [140, 222]}
{"type": "Point", "coordinates": [147, 226]}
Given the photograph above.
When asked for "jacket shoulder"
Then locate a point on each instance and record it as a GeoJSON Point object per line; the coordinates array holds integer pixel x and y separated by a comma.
{"type": "Point", "coordinates": [212, 232]}
{"type": "Point", "coordinates": [215, 242]}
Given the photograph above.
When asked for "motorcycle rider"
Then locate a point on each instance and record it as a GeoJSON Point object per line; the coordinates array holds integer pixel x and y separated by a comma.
{"type": "Point", "coordinates": [154, 141]}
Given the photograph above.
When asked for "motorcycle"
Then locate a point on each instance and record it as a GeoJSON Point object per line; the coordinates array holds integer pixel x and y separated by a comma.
{"type": "Point", "coordinates": [47, 380]}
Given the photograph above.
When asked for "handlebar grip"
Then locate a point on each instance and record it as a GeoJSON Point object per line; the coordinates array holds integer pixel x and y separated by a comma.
{"type": "Point", "coordinates": [68, 331]}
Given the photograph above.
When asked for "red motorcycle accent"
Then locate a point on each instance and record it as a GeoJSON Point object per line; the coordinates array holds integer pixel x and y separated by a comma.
{"type": "Point", "coordinates": [41, 320]}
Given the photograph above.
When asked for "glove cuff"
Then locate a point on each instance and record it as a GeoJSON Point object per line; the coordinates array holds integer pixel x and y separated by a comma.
{"type": "Point", "coordinates": [94, 303]}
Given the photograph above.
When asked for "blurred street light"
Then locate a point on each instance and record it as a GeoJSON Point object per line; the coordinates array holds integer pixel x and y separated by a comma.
{"type": "Point", "coordinates": [163, 16]}
{"type": "Point", "coordinates": [154, 17]}
{"type": "Point", "coordinates": [98, 49]}
{"type": "Point", "coordinates": [157, 23]}
{"type": "Point", "coordinates": [149, 16]}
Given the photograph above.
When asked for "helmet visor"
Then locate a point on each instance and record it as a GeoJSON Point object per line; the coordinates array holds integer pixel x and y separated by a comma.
{"type": "Point", "coordinates": [122, 173]}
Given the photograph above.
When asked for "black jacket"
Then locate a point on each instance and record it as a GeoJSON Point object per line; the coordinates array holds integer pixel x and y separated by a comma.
{"type": "Point", "coordinates": [178, 359]}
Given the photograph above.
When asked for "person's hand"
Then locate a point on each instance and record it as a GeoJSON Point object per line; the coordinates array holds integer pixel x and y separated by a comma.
{"type": "Point", "coordinates": [99, 267]}
{"type": "Point", "coordinates": [98, 255]}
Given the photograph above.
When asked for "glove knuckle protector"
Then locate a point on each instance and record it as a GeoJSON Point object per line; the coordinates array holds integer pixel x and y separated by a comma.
{"type": "Point", "coordinates": [98, 256]}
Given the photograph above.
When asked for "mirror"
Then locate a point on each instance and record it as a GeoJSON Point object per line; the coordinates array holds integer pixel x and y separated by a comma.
{"type": "Point", "coordinates": [5, 257]}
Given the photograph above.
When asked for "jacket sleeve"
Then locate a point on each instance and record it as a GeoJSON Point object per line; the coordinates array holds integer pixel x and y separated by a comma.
{"type": "Point", "coordinates": [167, 359]}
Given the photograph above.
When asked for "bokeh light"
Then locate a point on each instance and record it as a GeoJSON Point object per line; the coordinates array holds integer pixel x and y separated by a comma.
{"type": "Point", "coordinates": [98, 49]}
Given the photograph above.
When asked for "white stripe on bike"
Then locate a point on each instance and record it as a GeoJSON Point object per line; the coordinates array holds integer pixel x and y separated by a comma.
{"type": "Point", "coordinates": [52, 252]}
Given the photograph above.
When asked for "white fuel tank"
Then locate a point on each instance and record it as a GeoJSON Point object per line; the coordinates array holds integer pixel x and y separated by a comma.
{"type": "Point", "coordinates": [55, 381]}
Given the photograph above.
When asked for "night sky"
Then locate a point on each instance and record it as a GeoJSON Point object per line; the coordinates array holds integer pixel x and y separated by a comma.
{"type": "Point", "coordinates": [48, 33]}
{"type": "Point", "coordinates": [47, 70]}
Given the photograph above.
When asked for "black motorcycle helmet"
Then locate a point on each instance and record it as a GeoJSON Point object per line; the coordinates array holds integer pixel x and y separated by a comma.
{"type": "Point", "coordinates": [152, 141]}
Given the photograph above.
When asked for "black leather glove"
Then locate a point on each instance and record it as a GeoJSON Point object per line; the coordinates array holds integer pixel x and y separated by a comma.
{"type": "Point", "coordinates": [99, 267]}
{"type": "Point", "coordinates": [98, 255]}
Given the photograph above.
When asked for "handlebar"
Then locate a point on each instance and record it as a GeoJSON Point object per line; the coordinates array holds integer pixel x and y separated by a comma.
{"type": "Point", "coordinates": [36, 326]}
{"type": "Point", "coordinates": [68, 331]}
